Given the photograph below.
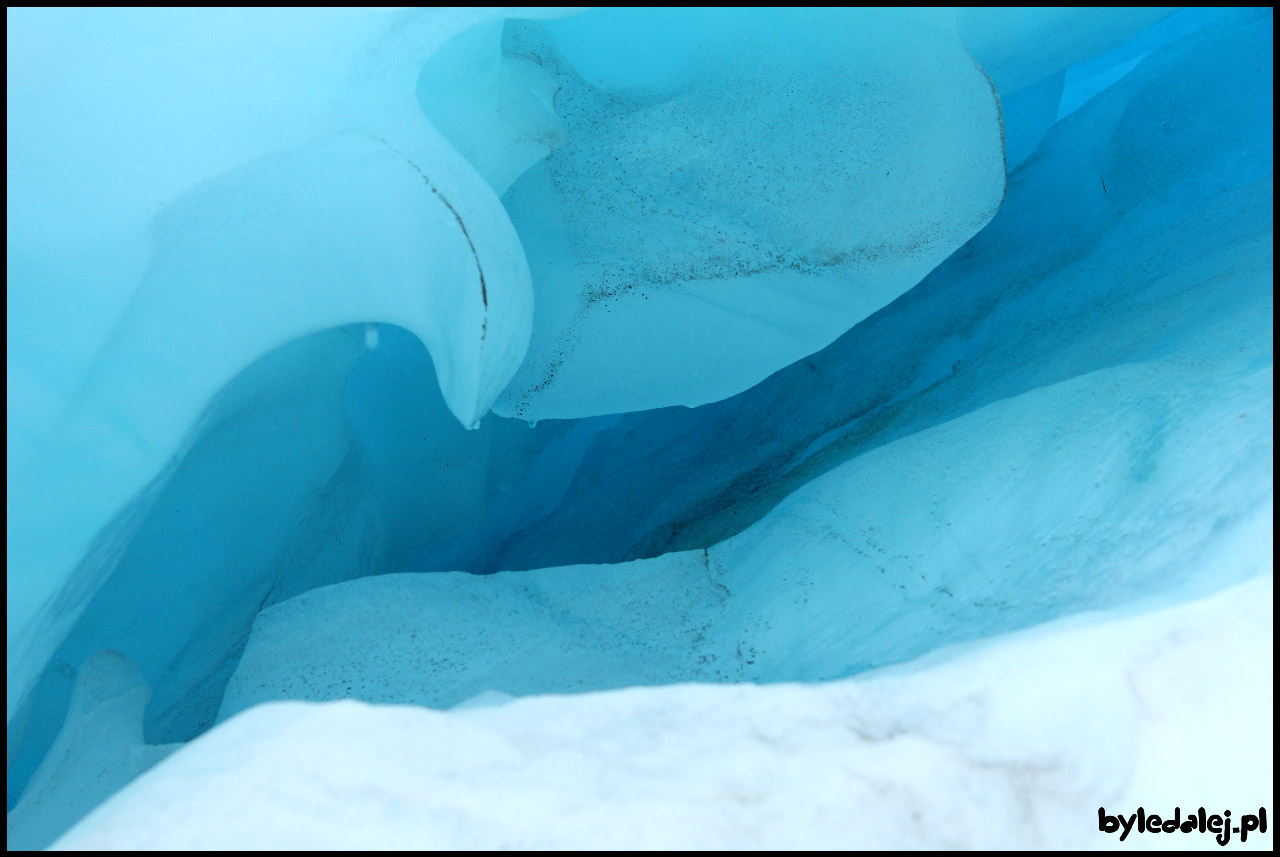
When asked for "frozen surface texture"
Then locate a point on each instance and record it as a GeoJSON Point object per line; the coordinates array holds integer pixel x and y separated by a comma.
{"type": "Point", "coordinates": [679, 255]}
{"type": "Point", "coordinates": [969, 748]}
{"type": "Point", "coordinates": [872, 332]}
{"type": "Point", "coordinates": [99, 750]}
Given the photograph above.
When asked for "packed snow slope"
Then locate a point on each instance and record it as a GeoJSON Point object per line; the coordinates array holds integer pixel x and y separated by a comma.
{"type": "Point", "coordinates": [969, 748]}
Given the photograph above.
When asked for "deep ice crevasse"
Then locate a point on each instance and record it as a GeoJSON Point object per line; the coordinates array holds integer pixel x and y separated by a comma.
{"type": "Point", "coordinates": [210, 218]}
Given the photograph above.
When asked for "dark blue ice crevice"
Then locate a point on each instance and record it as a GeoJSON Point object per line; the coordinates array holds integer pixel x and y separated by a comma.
{"type": "Point", "coordinates": [1014, 309]}
{"type": "Point", "coordinates": [1082, 420]}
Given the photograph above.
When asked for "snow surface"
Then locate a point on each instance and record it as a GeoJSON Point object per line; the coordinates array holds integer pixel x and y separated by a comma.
{"type": "Point", "coordinates": [969, 748]}
{"type": "Point", "coordinates": [99, 750]}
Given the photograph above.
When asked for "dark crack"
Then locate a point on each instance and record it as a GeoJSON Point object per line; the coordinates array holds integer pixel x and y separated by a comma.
{"type": "Point", "coordinates": [484, 289]}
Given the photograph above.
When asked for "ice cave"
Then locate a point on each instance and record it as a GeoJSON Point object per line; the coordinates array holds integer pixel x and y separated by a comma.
{"type": "Point", "coordinates": [639, 428]}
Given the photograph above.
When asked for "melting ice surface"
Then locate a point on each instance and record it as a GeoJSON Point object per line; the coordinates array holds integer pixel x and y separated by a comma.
{"type": "Point", "coordinates": [874, 407]}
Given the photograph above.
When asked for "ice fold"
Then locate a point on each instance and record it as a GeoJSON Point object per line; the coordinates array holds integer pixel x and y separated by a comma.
{"type": "Point", "coordinates": [737, 188]}
{"type": "Point", "coordinates": [191, 189]}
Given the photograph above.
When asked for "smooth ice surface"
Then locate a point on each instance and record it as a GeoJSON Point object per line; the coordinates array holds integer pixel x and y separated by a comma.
{"type": "Point", "coordinates": [1014, 742]}
{"type": "Point", "coordinates": [1020, 46]}
{"type": "Point", "coordinates": [203, 220]}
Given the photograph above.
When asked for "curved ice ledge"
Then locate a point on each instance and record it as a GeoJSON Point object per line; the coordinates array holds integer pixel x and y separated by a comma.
{"type": "Point", "coordinates": [209, 220]}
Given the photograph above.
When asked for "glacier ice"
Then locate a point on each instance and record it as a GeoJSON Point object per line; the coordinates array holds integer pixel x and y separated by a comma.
{"type": "Point", "coordinates": [1020, 46]}
{"type": "Point", "coordinates": [241, 379]}
{"type": "Point", "coordinates": [212, 218]}
{"type": "Point", "coordinates": [1069, 278]}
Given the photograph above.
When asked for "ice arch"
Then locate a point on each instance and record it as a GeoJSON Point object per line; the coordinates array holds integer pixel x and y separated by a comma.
{"type": "Point", "coordinates": [145, 274]}
{"type": "Point", "coordinates": [248, 178]}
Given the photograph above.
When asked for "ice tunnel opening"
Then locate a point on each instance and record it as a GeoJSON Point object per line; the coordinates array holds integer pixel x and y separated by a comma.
{"type": "Point", "coordinates": [384, 480]}
{"type": "Point", "coordinates": [1070, 413]}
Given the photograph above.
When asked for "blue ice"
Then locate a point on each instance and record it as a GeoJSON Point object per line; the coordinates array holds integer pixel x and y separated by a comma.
{"type": "Point", "coordinates": [432, 356]}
